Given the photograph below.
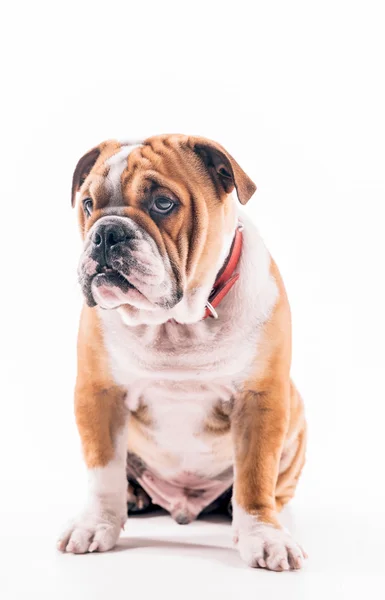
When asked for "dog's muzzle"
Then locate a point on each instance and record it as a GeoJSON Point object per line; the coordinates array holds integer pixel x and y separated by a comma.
{"type": "Point", "coordinates": [121, 264]}
{"type": "Point", "coordinates": [107, 241]}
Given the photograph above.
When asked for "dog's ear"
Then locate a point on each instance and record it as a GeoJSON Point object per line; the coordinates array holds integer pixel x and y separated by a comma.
{"type": "Point", "coordinates": [82, 169]}
{"type": "Point", "coordinates": [224, 169]}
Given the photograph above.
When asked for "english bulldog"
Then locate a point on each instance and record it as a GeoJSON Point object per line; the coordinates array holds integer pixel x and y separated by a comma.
{"type": "Point", "coordinates": [183, 396]}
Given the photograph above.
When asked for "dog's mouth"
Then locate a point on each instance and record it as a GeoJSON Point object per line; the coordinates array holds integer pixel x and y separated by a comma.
{"type": "Point", "coordinates": [110, 288]}
{"type": "Point", "coordinates": [112, 278]}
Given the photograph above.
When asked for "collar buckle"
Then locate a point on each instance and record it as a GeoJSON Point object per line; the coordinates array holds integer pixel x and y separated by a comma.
{"type": "Point", "coordinates": [211, 309]}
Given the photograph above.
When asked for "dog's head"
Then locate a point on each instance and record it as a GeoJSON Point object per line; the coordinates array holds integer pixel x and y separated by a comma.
{"type": "Point", "coordinates": [157, 219]}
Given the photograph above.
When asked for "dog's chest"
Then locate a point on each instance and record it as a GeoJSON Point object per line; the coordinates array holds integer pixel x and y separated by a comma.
{"type": "Point", "coordinates": [180, 382]}
{"type": "Point", "coordinates": [176, 353]}
{"type": "Point", "coordinates": [186, 421]}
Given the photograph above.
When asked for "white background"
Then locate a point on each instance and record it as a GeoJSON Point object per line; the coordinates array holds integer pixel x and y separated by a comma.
{"type": "Point", "coordinates": [295, 91]}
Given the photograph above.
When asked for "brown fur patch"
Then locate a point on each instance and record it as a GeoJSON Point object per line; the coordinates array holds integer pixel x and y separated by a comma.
{"type": "Point", "coordinates": [267, 419]}
{"type": "Point", "coordinates": [218, 421]}
{"type": "Point", "coordinates": [142, 415]}
{"type": "Point", "coordinates": [99, 403]}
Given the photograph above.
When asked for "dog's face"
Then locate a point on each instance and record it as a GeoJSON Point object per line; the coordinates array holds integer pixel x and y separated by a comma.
{"type": "Point", "coordinates": [157, 220]}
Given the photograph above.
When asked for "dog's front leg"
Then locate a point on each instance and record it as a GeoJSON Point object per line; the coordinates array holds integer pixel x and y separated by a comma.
{"type": "Point", "coordinates": [259, 426]}
{"type": "Point", "coordinates": [101, 419]}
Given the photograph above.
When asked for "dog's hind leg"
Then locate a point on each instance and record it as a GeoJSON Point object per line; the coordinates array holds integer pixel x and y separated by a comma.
{"type": "Point", "coordinates": [138, 501]}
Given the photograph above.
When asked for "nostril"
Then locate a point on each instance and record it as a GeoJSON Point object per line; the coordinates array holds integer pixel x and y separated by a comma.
{"type": "Point", "coordinates": [112, 238]}
{"type": "Point", "coordinates": [97, 239]}
{"type": "Point", "coordinates": [114, 235]}
{"type": "Point", "coordinates": [108, 236]}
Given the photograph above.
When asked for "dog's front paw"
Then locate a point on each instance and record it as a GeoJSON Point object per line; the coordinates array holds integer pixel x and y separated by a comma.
{"type": "Point", "coordinates": [94, 530]}
{"type": "Point", "coordinates": [270, 548]}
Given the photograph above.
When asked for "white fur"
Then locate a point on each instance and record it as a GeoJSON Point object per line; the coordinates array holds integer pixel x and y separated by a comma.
{"type": "Point", "coordinates": [126, 142]}
{"type": "Point", "coordinates": [263, 545]}
{"type": "Point", "coordinates": [91, 266]}
{"type": "Point", "coordinates": [177, 445]}
{"type": "Point", "coordinates": [117, 164]}
{"type": "Point", "coordinates": [181, 371]}
{"type": "Point", "coordinates": [99, 525]}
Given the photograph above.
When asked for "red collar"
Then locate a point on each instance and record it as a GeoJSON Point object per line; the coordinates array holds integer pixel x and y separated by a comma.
{"type": "Point", "coordinates": [226, 276]}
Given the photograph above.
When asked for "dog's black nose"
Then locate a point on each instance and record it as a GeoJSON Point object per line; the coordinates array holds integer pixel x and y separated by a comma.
{"type": "Point", "coordinates": [109, 235]}
{"type": "Point", "coordinates": [105, 238]}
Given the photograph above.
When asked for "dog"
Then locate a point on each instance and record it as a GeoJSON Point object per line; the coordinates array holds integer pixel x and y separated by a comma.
{"type": "Point", "coordinates": [183, 396]}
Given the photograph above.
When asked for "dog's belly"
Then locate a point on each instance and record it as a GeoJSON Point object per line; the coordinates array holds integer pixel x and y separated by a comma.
{"type": "Point", "coordinates": [184, 496]}
{"type": "Point", "coordinates": [179, 446]}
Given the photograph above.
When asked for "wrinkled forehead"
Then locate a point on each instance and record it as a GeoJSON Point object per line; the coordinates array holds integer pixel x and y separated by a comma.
{"type": "Point", "coordinates": [105, 178]}
{"type": "Point", "coordinates": [130, 168]}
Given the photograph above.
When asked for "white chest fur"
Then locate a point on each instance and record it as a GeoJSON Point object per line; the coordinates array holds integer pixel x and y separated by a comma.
{"type": "Point", "coordinates": [181, 372]}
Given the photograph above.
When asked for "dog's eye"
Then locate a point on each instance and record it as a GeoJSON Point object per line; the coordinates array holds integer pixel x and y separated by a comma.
{"type": "Point", "coordinates": [162, 205]}
{"type": "Point", "coordinates": [88, 206]}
